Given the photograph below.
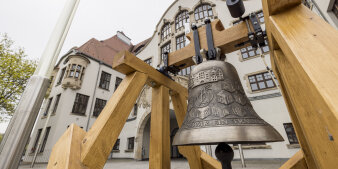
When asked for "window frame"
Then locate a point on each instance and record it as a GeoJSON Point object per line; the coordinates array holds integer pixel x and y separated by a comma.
{"type": "Point", "coordinates": [50, 100]}
{"type": "Point", "coordinates": [37, 137]}
{"type": "Point", "coordinates": [99, 105]}
{"type": "Point", "coordinates": [166, 31]}
{"type": "Point", "coordinates": [148, 61]}
{"type": "Point", "coordinates": [181, 19]}
{"type": "Point", "coordinates": [200, 10]}
{"type": "Point", "coordinates": [81, 106]}
{"type": "Point", "coordinates": [180, 41]}
{"type": "Point", "coordinates": [131, 143]}
{"type": "Point", "coordinates": [118, 81]}
{"type": "Point", "coordinates": [56, 103]}
{"type": "Point", "coordinates": [165, 48]}
{"type": "Point", "coordinates": [257, 80]}
{"type": "Point", "coordinates": [44, 142]}
{"type": "Point", "coordinates": [292, 137]}
{"type": "Point", "coordinates": [63, 71]}
{"type": "Point", "coordinates": [105, 80]}
{"type": "Point", "coordinates": [117, 145]}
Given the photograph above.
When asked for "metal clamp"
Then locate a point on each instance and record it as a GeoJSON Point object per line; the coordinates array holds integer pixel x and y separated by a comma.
{"type": "Point", "coordinates": [165, 69]}
{"type": "Point", "coordinates": [210, 41]}
{"type": "Point", "coordinates": [197, 45]}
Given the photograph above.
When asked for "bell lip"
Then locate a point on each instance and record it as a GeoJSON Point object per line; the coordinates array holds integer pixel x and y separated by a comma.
{"type": "Point", "coordinates": [260, 133]}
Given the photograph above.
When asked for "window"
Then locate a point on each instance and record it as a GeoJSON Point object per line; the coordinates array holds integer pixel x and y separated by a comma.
{"type": "Point", "coordinates": [249, 51]}
{"type": "Point", "coordinates": [131, 143]}
{"type": "Point", "coordinates": [261, 81]}
{"type": "Point", "coordinates": [117, 82]}
{"type": "Point", "coordinates": [260, 17]}
{"type": "Point", "coordinates": [117, 145]}
{"type": "Point", "coordinates": [61, 76]}
{"type": "Point", "coordinates": [290, 132]}
{"type": "Point", "coordinates": [105, 80]}
{"type": "Point", "coordinates": [166, 30]}
{"type": "Point", "coordinates": [180, 42]}
{"type": "Point", "coordinates": [43, 145]}
{"type": "Point", "coordinates": [335, 8]}
{"type": "Point", "coordinates": [148, 61]}
{"type": "Point", "coordinates": [165, 48]}
{"type": "Point", "coordinates": [56, 103]}
{"type": "Point", "coordinates": [80, 104]}
{"type": "Point", "coordinates": [81, 77]}
{"type": "Point", "coordinates": [72, 70]}
{"type": "Point", "coordinates": [181, 19]}
{"type": "Point", "coordinates": [78, 71]}
{"type": "Point", "coordinates": [185, 71]}
{"type": "Point", "coordinates": [99, 105]}
{"type": "Point", "coordinates": [36, 141]}
{"type": "Point", "coordinates": [135, 110]}
{"type": "Point", "coordinates": [48, 106]}
{"type": "Point", "coordinates": [203, 11]}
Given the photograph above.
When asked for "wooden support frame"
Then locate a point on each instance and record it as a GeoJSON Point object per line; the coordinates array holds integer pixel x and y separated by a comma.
{"type": "Point", "coordinates": [90, 150]}
{"type": "Point", "coordinates": [304, 56]}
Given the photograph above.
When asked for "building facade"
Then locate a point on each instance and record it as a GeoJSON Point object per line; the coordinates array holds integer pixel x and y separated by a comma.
{"type": "Point", "coordinates": [83, 81]}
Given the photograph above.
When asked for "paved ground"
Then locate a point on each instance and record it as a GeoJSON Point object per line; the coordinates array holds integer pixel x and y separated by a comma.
{"type": "Point", "coordinates": [176, 164]}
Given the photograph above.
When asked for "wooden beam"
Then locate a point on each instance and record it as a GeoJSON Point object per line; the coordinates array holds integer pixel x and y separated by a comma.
{"type": "Point", "coordinates": [66, 152]}
{"type": "Point", "coordinates": [297, 161]}
{"type": "Point", "coordinates": [159, 148]}
{"type": "Point", "coordinates": [295, 121]}
{"type": "Point", "coordinates": [126, 63]}
{"type": "Point", "coordinates": [277, 6]}
{"type": "Point", "coordinates": [225, 39]}
{"type": "Point", "coordinates": [192, 153]}
{"type": "Point", "coordinates": [100, 139]}
{"type": "Point", "coordinates": [209, 163]}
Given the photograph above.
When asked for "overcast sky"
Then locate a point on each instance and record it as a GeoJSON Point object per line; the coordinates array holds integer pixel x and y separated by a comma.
{"type": "Point", "coordinates": [30, 22]}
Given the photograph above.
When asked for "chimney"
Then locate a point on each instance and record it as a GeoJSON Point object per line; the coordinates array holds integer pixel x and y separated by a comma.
{"type": "Point", "coordinates": [123, 37]}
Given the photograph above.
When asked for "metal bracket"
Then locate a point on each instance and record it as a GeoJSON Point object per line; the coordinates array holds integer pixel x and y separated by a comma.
{"type": "Point", "coordinates": [210, 41]}
{"type": "Point", "coordinates": [165, 69]}
{"type": "Point", "coordinates": [197, 45]}
{"type": "Point", "coordinates": [257, 37]}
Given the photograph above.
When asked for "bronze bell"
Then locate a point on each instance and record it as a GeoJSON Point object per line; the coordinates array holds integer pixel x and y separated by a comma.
{"type": "Point", "coordinates": [219, 111]}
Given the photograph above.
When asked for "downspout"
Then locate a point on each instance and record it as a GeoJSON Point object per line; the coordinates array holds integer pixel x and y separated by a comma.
{"type": "Point", "coordinates": [94, 93]}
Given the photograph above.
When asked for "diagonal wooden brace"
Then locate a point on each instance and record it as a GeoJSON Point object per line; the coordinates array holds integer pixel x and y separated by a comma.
{"type": "Point", "coordinates": [77, 149]}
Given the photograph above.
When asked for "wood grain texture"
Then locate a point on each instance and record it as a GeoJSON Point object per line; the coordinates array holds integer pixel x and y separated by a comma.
{"type": "Point", "coordinates": [311, 109]}
{"type": "Point", "coordinates": [277, 6]}
{"type": "Point", "coordinates": [225, 39]}
{"type": "Point", "coordinates": [209, 163]}
{"type": "Point", "coordinates": [306, 149]}
{"type": "Point", "coordinates": [100, 139]}
{"type": "Point", "coordinates": [192, 153]}
{"type": "Point", "coordinates": [66, 152]}
{"type": "Point", "coordinates": [297, 161]}
{"type": "Point", "coordinates": [159, 148]}
{"type": "Point", "coordinates": [125, 62]}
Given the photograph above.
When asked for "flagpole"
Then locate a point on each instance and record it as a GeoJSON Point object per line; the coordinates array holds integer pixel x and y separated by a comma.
{"type": "Point", "coordinates": [21, 124]}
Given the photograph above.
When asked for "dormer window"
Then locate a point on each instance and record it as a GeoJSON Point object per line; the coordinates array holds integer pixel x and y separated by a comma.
{"type": "Point", "coordinates": [203, 11]}
{"type": "Point", "coordinates": [181, 19]}
{"type": "Point", "coordinates": [166, 30]}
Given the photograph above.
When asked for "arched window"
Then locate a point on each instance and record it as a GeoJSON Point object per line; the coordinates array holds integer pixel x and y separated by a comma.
{"type": "Point", "coordinates": [203, 11]}
{"type": "Point", "coordinates": [181, 18]}
{"type": "Point", "coordinates": [166, 30]}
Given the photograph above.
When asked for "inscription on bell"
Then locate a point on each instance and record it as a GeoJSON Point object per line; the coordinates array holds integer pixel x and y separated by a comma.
{"type": "Point", "coordinates": [206, 76]}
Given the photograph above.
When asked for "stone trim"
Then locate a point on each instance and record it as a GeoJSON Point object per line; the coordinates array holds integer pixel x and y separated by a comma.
{"type": "Point", "coordinates": [266, 96]}
{"type": "Point", "coordinates": [246, 78]}
{"type": "Point", "coordinates": [293, 146]}
{"type": "Point", "coordinates": [129, 150]}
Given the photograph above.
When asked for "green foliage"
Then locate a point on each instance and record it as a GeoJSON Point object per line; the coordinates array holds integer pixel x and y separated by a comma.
{"type": "Point", "coordinates": [15, 70]}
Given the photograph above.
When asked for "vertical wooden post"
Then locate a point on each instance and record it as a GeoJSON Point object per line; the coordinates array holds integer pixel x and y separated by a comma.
{"type": "Point", "coordinates": [159, 149]}
{"type": "Point", "coordinates": [192, 153]}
